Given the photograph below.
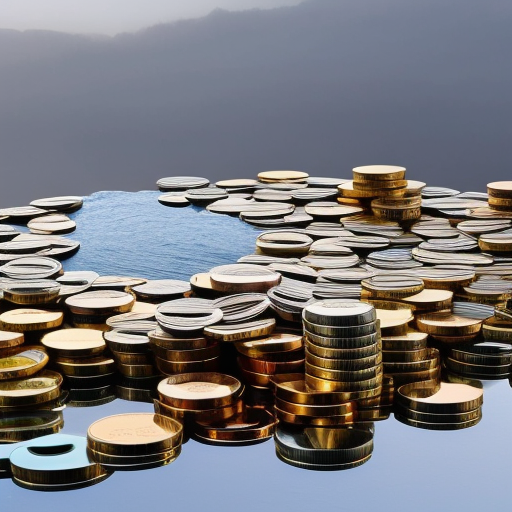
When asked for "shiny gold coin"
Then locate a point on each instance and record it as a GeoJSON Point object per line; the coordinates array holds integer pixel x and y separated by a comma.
{"type": "Point", "coordinates": [345, 354]}
{"type": "Point", "coordinates": [182, 356]}
{"type": "Point", "coordinates": [315, 410]}
{"type": "Point", "coordinates": [24, 362]}
{"type": "Point", "coordinates": [85, 367]}
{"type": "Point", "coordinates": [275, 343]}
{"type": "Point", "coordinates": [401, 378]}
{"type": "Point", "coordinates": [10, 339]}
{"type": "Point", "coordinates": [346, 376]}
{"type": "Point", "coordinates": [30, 391]}
{"type": "Point", "coordinates": [411, 340]}
{"type": "Point", "coordinates": [378, 173]}
{"type": "Point", "coordinates": [500, 189]}
{"type": "Point", "coordinates": [360, 364]}
{"type": "Point", "coordinates": [74, 342]}
{"type": "Point", "coordinates": [252, 425]}
{"type": "Point", "coordinates": [352, 390]}
{"type": "Point", "coordinates": [271, 367]}
{"type": "Point", "coordinates": [447, 324]}
{"type": "Point", "coordinates": [430, 299]}
{"type": "Point", "coordinates": [166, 341]}
{"type": "Point", "coordinates": [311, 421]}
{"type": "Point", "coordinates": [136, 370]}
{"type": "Point", "coordinates": [431, 361]}
{"type": "Point", "coordinates": [448, 398]}
{"type": "Point", "coordinates": [185, 416]}
{"type": "Point", "coordinates": [203, 390]}
{"type": "Point", "coordinates": [394, 322]}
{"type": "Point", "coordinates": [379, 185]}
{"type": "Point", "coordinates": [25, 319]}
{"type": "Point", "coordinates": [134, 434]}
{"type": "Point", "coordinates": [135, 462]}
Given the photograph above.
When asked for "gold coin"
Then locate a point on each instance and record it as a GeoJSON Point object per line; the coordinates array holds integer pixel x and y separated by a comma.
{"type": "Point", "coordinates": [75, 342]}
{"type": "Point", "coordinates": [282, 176]}
{"type": "Point", "coordinates": [275, 343]}
{"type": "Point", "coordinates": [134, 434]}
{"type": "Point", "coordinates": [24, 362]}
{"type": "Point", "coordinates": [430, 299]}
{"type": "Point", "coordinates": [378, 173]}
{"type": "Point", "coordinates": [447, 324]}
{"type": "Point", "coordinates": [203, 390]}
{"type": "Point", "coordinates": [25, 319]}
{"type": "Point", "coordinates": [10, 339]}
{"type": "Point", "coordinates": [31, 391]}
{"type": "Point", "coordinates": [242, 331]}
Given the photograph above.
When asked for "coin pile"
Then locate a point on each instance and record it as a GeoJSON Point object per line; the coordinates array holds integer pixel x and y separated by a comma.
{"type": "Point", "coordinates": [439, 406]}
{"type": "Point", "coordinates": [134, 441]}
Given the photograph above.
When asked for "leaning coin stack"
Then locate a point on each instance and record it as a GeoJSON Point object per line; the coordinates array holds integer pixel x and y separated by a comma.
{"type": "Point", "coordinates": [500, 195]}
{"type": "Point", "coordinates": [439, 406]}
{"type": "Point", "coordinates": [183, 355]}
{"type": "Point", "coordinates": [131, 353]}
{"type": "Point", "coordinates": [79, 354]}
{"type": "Point", "coordinates": [343, 349]}
{"type": "Point", "coordinates": [373, 181]}
{"type": "Point", "coordinates": [261, 359]}
{"type": "Point", "coordinates": [324, 449]}
{"type": "Point", "coordinates": [134, 441]}
{"type": "Point", "coordinates": [91, 309]}
{"type": "Point", "coordinates": [193, 397]}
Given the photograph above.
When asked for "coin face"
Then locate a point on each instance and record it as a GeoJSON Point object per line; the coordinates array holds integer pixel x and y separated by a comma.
{"type": "Point", "coordinates": [77, 342]}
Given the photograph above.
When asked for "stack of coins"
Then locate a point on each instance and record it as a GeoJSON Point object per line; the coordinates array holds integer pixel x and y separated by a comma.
{"type": "Point", "coordinates": [80, 355]}
{"type": "Point", "coordinates": [183, 355]}
{"type": "Point", "coordinates": [32, 323]}
{"type": "Point", "coordinates": [500, 195]}
{"type": "Point", "coordinates": [261, 359]}
{"type": "Point", "coordinates": [343, 350]}
{"type": "Point", "coordinates": [134, 441]}
{"type": "Point", "coordinates": [439, 406]}
{"type": "Point", "coordinates": [372, 181]}
{"type": "Point", "coordinates": [25, 406]}
{"type": "Point", "coordinates": [202, 396]}
{"type": "Point", "coordinates": [482, 360]}
{"type": "Point", "coordinates": [55, 462]}
{"type": "Point", "coordinates": [91, 309]}
{"type": "Point", "coordinates": [324, 448]}
{"type": "Point", "coordinates": [131, 353]}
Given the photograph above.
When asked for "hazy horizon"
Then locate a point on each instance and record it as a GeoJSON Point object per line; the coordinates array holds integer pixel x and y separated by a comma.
{"type": "Point", "coordinates": [111, 17]}
{"type": "Point", "coordinates": [322, 87]}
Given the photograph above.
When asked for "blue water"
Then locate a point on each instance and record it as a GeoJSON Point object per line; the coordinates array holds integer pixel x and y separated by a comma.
{"type": "Point", "coordinates": [131, 233]}
{"type": "Point", "coordinates": [410, 469]}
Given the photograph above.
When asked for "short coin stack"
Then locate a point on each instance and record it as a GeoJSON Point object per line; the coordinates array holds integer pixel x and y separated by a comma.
{"type": "Point", "coordinates": [500, 195]}
{"type": "Point", "coordinates": [343, 349]}
{"type": "Point", "coordinates": [134, 441]}
{"type": "Point", "coordinates": [444, 406]}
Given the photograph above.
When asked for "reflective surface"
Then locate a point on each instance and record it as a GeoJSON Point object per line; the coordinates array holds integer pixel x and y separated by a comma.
{"type": "Point", "coordinates": [413, 468]}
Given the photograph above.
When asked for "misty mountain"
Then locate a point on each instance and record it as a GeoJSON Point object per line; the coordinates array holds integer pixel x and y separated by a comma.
{"type": "Point", "coordinates": [321, 87]}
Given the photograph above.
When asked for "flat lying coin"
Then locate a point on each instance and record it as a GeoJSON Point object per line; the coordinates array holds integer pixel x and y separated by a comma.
{"type": "Point", "coordinates": [100, 301]}
{"type": "Point", "coordinates": [60, 204]}
{"type": "Point", "coordinates": [22, 363]}
{"type": "Point", "coordinates": [74, 342]}
{"type": "Point", "coordinates": [339, 313]}
{"type": "Point", "coordinates": [22, 320]}
{"type": "Point", "coordinates": [181, 183]}
{"type": "Point", "coordinates": [32, 268]}
{"type": "Point", "coordinates": [243, 277]}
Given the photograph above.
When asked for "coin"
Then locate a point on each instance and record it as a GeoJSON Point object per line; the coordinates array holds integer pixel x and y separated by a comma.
{"type": "Point", "coordinates": [200, 391]}
{"type": "Point", "coordinates": [20, 426]}
{"type": "Point", "coordinates": [74, 342]}
{"type": "Point", "coordinates": [240, 331]}
{"type": "Point", "coordinates": [25, 320]}
{"type": "Point", "coordinates": [54, 224]}
{"type": "Point", "coordinates": [284, 243]}
{"type": "Point", "coordinates": [243, 277]}
{"type": "Point", "coordinates": [339, 313]}
{"type": "Point", "coordinates": [30, 391]}
{"type": "Point", "coordinates": [181, 183]}
{"type": "Point", "coordinates": [66, 204]}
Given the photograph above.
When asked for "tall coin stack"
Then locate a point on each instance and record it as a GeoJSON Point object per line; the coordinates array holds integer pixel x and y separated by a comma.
{"type": "Point", "coordinates": [343, 348]}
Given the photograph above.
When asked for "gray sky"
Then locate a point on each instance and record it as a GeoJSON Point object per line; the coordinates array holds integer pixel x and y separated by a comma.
{"type": "Point", "coordinates": [113, 16]}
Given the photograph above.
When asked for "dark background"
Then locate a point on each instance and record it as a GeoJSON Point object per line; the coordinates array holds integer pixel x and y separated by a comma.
{"type": "Point", "coordinates": [321, 87]}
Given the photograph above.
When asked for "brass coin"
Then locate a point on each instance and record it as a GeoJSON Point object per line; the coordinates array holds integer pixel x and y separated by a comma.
{"type": "Point", "coordinates": [87, 367]}
{"type": "Point", "coordinates": [276, 343]}
{"type": "Point", "coordinates": [24, 362]}
{"type": "Point", "coordinates": [10, 339]}
{"type": "Point", "coordinates": [30, 391]}
{"type": "Point", "coordinates": [378, 173]}
{"type": "Point", "coordinates": [448, 398]}
{"type": "Point", "coordinates": [74, 342]}
{"type": "Point", "coordinates": [276, 176]}
{"type": "Point", "coordinates": [412, 340]}
{"type": "Point", "coordinates": [134, 434]}
{"type": "Point", "coordinates": [347, 343]}
{"type": "Point", "coordinates": [174, 367]}
{"type": "Point", "coordinates": [447, 324]}
{"type": "Point", "coordinates": [204, 390]}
